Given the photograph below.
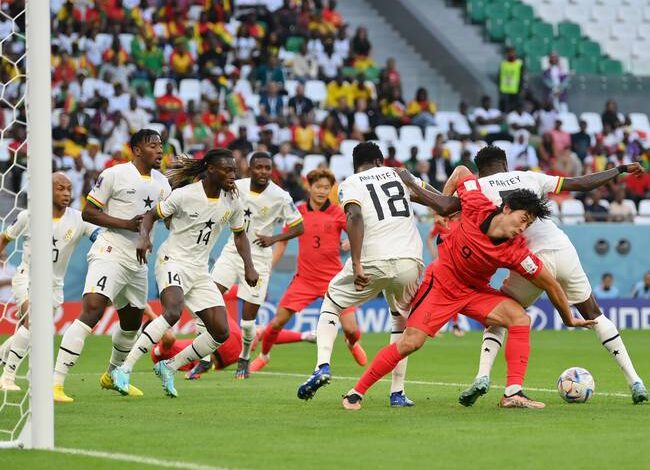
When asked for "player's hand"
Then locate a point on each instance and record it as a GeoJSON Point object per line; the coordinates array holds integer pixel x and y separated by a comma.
{"type": "Point", "coordinates": [142, 248]}
{"type": "Point", "coordinates": [361, 281]}
{"type": "Point", "coordinates": [634, 168]}
{"type": "Point", "coordinates": [251, 276]}
{"type": "Point", "coordinates": [441, 221]}
{"type": "Point", "coordinates": [264, 240]}
{"type": "Point", "coordinates": [406, 176]}
{"type": "Point", "coordinates": [345, 245]}
{"type": "Point", "coordinates": [580, 323]}
{"type": "Point", "coordinates": [133, 225]}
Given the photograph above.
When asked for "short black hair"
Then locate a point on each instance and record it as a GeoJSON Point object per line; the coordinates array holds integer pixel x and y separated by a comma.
{"type": "Point", "coordinates": [258, 155]}
{"type": "Point", "coordinates": [143, 135]}
{"type": "Point", "coordinates": [523, 199]}
{"type": "Point", "coordinates": [366, 152]}
{"type": "Point", "coordinates": [487, 156]}
{"type": "Point", "coordinates": [607, 275]}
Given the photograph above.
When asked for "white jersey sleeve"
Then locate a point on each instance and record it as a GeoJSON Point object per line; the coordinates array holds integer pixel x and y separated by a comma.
{"type": "Point", "coordinates": [290, 214]}
{"type": "Point", "coordinates": [350, 192]}
{"type": "Point", "coordinates": [237, 217]}
{"type": "Point", "coordinates": [547, 183]}
{"type": "Point", "coordinates": [169, 206]}
{"type": "Point", "coordinates": [90, 230]}
{"type": "Point", "coordinates": [101, 192]}
{"type": "Point", "coordinates": [19, 226]}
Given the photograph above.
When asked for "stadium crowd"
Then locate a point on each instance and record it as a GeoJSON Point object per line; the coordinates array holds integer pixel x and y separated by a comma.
{"type": "Point", "coordinates": [294, 82]}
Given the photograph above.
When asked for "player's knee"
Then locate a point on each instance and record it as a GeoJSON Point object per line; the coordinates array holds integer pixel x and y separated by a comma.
{"type": "Point", "coordinates": [409, 343]}
{"type": "Point", "coordinates": [518, 318]}
{"type": "Point", "coordinates": [330, 307]}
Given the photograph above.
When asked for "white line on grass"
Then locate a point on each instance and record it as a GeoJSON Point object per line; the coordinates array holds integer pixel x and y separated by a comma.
{"type": "Point", "coordinates": [136, 459]}
{"type": "Point", "coordinates": [411, 382]}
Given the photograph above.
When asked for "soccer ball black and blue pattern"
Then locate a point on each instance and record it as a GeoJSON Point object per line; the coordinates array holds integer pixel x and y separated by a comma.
{"type": "Point", "coordinates": [576, 385]}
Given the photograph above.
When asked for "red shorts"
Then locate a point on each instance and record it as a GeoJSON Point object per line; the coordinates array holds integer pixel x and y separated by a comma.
{"type": "Point", "coordinates": [433, 307]}
{"type": "Point", "coordinates": [301, 293]}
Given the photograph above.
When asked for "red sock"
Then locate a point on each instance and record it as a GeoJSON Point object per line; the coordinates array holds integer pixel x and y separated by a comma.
{"type": "Point", "coordinates": [353, 337]}
{"type": "Point", "coordinates": [517, 352]}
{"type": "Point", "coordinates": [382, 364]}
{"type": "Point", "coordinates": [288, 336]}
{"type": "Point", "coordinates": [269, 338]}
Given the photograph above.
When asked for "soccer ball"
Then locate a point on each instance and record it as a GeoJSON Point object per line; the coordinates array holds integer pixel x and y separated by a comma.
{"type": "Point", "coordinates": [576, 385]}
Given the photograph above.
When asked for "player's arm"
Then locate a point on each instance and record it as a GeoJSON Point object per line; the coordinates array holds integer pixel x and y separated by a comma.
{"type": "Point", "coordinates": [295, 230]}
{"type": "Point", "coordinates": [460, 172]}
{"type": "Point", "coordinates": [356, 232]}
{"type": "Point", "coordinates": [144, 245]}
{"type": "Point", "coordinates": [595, 180]}
{"type": "Point", "coordinates": [545, 280]}
{"type": "Point", "coordinates": [94, 211]}
{"type": "Point", "coordinates": [443, 205]}
{"type": "Point", "coordinates": [278, 252]}
{"type": "Point", "coordinates": [244, 250]}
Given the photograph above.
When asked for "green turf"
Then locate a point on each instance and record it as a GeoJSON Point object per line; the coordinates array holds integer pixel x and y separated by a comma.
{"type": "Point", "coordinates": [260, 424]}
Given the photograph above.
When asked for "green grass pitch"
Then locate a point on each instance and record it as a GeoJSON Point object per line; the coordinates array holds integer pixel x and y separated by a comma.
{"type": "Point", "coordinates": [260, 424]}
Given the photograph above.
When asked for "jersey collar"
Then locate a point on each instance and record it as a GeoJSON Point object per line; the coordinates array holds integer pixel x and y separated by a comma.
{"type": "Point", "coordinates": [323, 207]}
{"type": "Point", "coordinates": [485, 225]}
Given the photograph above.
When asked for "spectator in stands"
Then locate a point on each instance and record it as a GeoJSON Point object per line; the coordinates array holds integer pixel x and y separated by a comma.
{"type": "Point", "coordinates": [362, 89]}
{"type": "Point", "coordinates": [151, 61]}
{"type": "Point", "coordinates": [300, 104]}
{"type": "Point", "coordinates": [556, 81]}
{"type": "Point", "coordinates": [412, 163]}
{"type": "Point", "coordinates": [342, 42]}
{"type": "Point", "coordinates": [196, 135]}
{"type": "Point", "coordinates": [266, 139]}
{"type": "Point", "coordinates": [223, 136]}
{"type": "Point", "coordinates": [337, 89]}
{"type": "Point", "coordinates": [390, 78]}
{"type": "Point", "coordinates": [421, 110]}
{"type": "Point", "coordinates": [511, 72]}
{"type": "Point", "coordinates": [79, 177]}
{"type": "Point", "coordinates": [361, 49]}
{"type": "Point", "coordinates": [361, 127]}
{"type": "Point", "coordinates": [606, 289]}
{"type": "Point", "coordinates": [391, 160]}
{"type": "Point", "coordinates": [287, 19]}
{"type": "Point", "coordinates": [619, 211]}
{"type": "Point", "coordinates": [343, 115]}
{"type": "Point", "coordinates": [267, 72]}
{"type": "Point", "coordinates": [466, 161]}
{"type": "Point", "coordinates": [581, 141]}
{"type": "Point", "coordinates": [303, 136]}
{"type": "Point", "coordinates": [393, 109]}
{"type": "Point", "coordinates": [610, 115]}
{"type": "Point", "coordinates": [61, 161]}
{"type": "Point", "coordinates": [271, 105]}
{"type": "Point", "coordinates": [488, 121]}
{"type": "Point", "coordinates": [120, 99]}
{"type": "Point", "coordinates": [596, 159]}
{"type": "Point", "coordinates": [93, 158]}
{"type": "Point", "coordinates": [331, 16]}
{"type": "Point", "coordinates": [330, 136]}
{"type": "Point", "coordinates": [546, 117]}
{"type": "Point", "coordinates": [638, 187]}
{"type": "Point", "coordinates": [611, 136]}
{"type": "Point", "coordinates": [642, 288]}
{"type": "Point", "coordinates": [315, 45]}
{"type": "Point", "coordinates": [560, 138]}
{"type": "Point", "coordinates": [519, 118]}
{"type": "Point", "coordinates": [241, 143]}
{"type": "Point", "coordinates": [285, 161]}
{"type": "Point", "coordinates": [170, 106]}
{"type": "Point", "coordinates": [329, 62]}
{"type": "Point", "coordinates": [440, 167]}
{"type": "Point", "coordinates": [594, 210]}
{"type": "Point", "coordinates": [460, 125]}
{"type": "Point", "coordinates": [304, 66]}
{"type": "Point", "coordinates": [522, 156]}
{"type": "Point", "coordinates": [144, 101]}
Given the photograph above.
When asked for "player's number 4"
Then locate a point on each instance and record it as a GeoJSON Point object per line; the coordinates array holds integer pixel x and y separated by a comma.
{"type": "Point", "coordinates": [395, 193]}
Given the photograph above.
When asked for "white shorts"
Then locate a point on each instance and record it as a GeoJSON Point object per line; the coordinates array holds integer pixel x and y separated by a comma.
{"type": "Point", "coordinates": [399, 280]}
{"type": "Point", "coordinates": [229, 270]}
{"type": "Point", "coordinates": [199, 291]}
{"type": "Point", "coordinates": [564, 265]}
{"type": "Point", "coordinates": [122, 286]}
{"type": "Point", "coordinates": [20, 290]}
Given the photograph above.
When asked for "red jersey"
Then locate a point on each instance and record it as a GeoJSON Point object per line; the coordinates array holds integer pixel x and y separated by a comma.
{"type": "Point", "coordinates": [319, 257]}
{"type": "Point", "coordinates": [468, 257]}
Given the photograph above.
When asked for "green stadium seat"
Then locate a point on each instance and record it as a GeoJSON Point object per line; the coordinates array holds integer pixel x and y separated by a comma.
{"type": "Point", "coordinates": [533, 64]}
{"type": "Point", "coordinates": [522, 11]}
{"type": "Point", "coordinates": [294, 43]}
{"type": "Point", "coordinates": [137, 82]}
{"type": "Point", "coordinates": [497, 11]}
{"type": "Point", "coordinates": [349, 72]}
{"type": "Point", "coordinates": [610, 67]}
{"type": "Point", "coordinates": [496, 29]}
{"type": "Point", "coordinates": [518, 43]}
{"type": "Point", "coordinates": [536, 46]}
{"type": "Point", "coordinates": [584, 65]}
{"type": "Point", "coordinates": [476, 10]}
{"type": "Point", "coordinates": [516, 29]}
{"type": "Point", "coordinates": [543, 31]}
{"type": "Point", "coordinates": [569, 30]}
{"type": "Point", "coordinates": [589, 48]}
{"type": "Point", "coordinates": [372, 74]}
{"type": "Point", "coordinates": [564, 47]}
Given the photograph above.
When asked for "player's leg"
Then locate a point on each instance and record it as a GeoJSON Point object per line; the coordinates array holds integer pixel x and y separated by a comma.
{"type": "Point", "coordinates": [19, 287]}
{"type": "Point", "coordinates": [506, 312]}
{"type": "Point", "coordinates": [352, 334]}
{"type": "Point", "coordinates": [455, 327]}
{"type": "Point", "coordinates": [16, 353]}
{"type": "Point", "coordinates": [249, 315]}
{"type": "Point", "coordinates": [610, 338]}
{"type": "Point", "coordinates": [398, 397]}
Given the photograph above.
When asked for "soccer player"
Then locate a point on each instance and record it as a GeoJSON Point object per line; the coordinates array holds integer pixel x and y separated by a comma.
{"type": "Point", "coordinates": [487, 238]}
{"type": "Point", "coordinates": [122, 194]}
{"type": "Point", "coordinates": [386, 255]}
{"type": "Point", "coordinates": [68, 228]}
{"type": "Point", "coordinates": [265, 204]}
{"type": "Point", "coordinates": [559, 256]}
{"type": "Point", "coordinates": [198, 212]}
{"type": "Point", "coordinates": [318, 262]}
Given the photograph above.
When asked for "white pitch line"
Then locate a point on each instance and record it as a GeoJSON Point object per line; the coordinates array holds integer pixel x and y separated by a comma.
{"type": "Point", "coordinates": [136, 459]}
{"type": "Point", "coordinates": [411, 382]}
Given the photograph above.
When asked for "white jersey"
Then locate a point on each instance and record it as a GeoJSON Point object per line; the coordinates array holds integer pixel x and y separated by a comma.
{"type": "Point", "coordinates": [67, 231]}
{"type": "Point", "coordinates": [262, 211]}
{"type": "Point", "coordinates": [543, 234]}
{"type": "Point", "coordinates": [390, 231]}
{"type": "Point", "coordinates": [122, 192]}
{"type": "Point", "coordinates": [196, 222]}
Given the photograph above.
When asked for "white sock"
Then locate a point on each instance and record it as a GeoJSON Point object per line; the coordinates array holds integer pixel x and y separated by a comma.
{"type": "Point", "coordinates": [247, 337]}
{"type": "Point", "coordinates": [71, 346]}
{"type": "Point", "coordinates": [147, 340]}
{"type": "Point", "coordinates": [19, 346]}
{"type": "Point", "coordinates": [122, 344]}
{"type": "Point", "coordinates": [4, 351]}
{"type": "Point", "coordinates": [610, 338]}
{"type": "Point", "coordinates": [493, 337]}
{"type": "Point", "coordinates": [203, 345]}
{"type": "Point", "coordinates": [200, 329]}
{"type": "Point", "coordinates": [512, 389]}
{"type": "Point", "coordinates": [326, 331]}
{"type": "Point", "coordinates": [399, 372]}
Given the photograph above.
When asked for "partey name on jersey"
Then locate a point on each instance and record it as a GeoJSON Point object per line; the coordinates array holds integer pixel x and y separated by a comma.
{"type": "Point", "coordinates": [389, 175]}
{"type": "Point", "coordinates": [512, 181]}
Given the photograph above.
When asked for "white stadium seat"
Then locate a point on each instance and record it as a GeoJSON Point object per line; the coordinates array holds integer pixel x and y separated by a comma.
{"type": "Point", "coordinates": [190, 89]}
{"type": "Point", "coordinates": [594, 122]}
{"type": "Point", "coordinates": [315, 90]}
{"type": "Point", "coordinates": [569, 122]}
{"type": "Point", "coordinates": [160, 84]}
{"type": "Point", "coordinates": [640, 122]}
{"type": "Point", "coordinates": [603, 13]}
{"type": "Point", "coordinates": [347, 146]}
{"type": "Point", "coordinates": [644, 207]}
{"type": "Point", "coordinates": [156, 126]}
{"type": "Point", "coordinates": [386, 133]}
{"type": "Point", "coordinates": [411, 134]}
{"type": "Point", "coordinates": [431, 132]}
{"type": "Point", "coordinates": [454, 147]}
{"type": "Point", "coordinates": [630, 203]}
{"type": "Point", "coordinates": [290, 86]}
{"type": "Point", "coordinates": [573, 212]}
{"type": "Point", "coordinates": [311, 162]}
{"type": "Point", "coordinates": [341, 166]}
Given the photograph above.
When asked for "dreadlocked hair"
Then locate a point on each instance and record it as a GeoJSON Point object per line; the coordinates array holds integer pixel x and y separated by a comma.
{"type": "Point", "coordinates": [187, 169]}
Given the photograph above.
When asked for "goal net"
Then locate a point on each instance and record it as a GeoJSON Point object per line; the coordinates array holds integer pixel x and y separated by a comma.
{"type": "Point", "coordinates": [26, 415]}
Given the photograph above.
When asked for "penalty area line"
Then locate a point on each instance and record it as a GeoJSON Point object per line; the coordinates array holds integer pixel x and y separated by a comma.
{"type": "Point", "coordinates": [138, 459]}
